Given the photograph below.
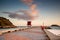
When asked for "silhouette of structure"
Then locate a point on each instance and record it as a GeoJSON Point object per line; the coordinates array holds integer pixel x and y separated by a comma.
{"type": "Point", "coordinates": [29, 23]}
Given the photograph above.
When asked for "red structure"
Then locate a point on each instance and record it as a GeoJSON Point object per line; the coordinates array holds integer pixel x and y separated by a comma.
{"type": "Point", "coordinates": [29, 23]}
{"type": "Point", "coordinates": [42, 27]}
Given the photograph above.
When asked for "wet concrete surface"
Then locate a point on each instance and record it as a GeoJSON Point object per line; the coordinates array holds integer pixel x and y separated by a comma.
{"type": "Point", "coordinates": [28, 34]}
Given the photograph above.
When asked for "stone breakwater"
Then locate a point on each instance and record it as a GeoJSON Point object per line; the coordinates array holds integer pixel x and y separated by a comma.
{"type": "Point", "coordinates": [3, 31]}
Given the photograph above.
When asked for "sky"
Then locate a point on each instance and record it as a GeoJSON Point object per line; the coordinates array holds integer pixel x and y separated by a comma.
{"type": "Point", "coordinates": [48, 11]}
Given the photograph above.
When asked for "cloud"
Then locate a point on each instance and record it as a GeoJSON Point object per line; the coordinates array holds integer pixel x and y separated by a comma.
{"type": "Point", "coordinates": [27, 2]}
{"type": "Point", "coordinates": [29, 14]}
{"type": "Point", "coordinates": [26, 15]}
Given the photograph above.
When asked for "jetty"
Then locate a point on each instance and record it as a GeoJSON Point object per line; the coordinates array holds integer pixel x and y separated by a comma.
{"type": "Point", "coordinates": [33, 33]}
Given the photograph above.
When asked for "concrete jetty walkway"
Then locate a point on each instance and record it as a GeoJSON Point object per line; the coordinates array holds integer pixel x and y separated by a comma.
{"type": "Point", "coordinates": [29, 34]}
